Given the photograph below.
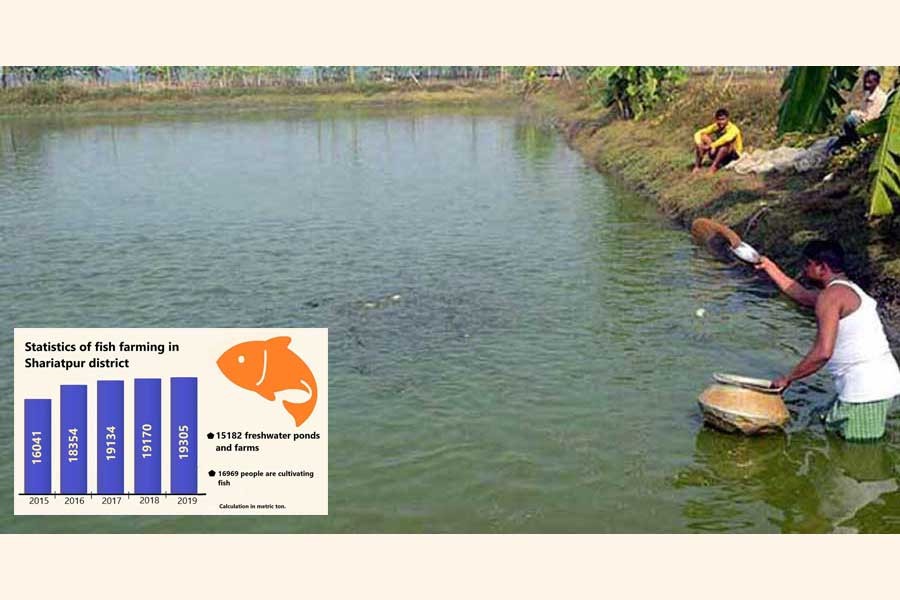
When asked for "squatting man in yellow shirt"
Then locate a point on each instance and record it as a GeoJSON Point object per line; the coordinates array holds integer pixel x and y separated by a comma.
{"type": "Point", "coordinates": [721, 141]}
{"type": "Point", "coordinates": [850, 343]}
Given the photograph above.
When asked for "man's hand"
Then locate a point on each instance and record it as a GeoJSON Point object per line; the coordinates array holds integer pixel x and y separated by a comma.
{"type": "Point", "coordinates": [780, 382]}
{"type": "Point", "coordinates": [765, 264]}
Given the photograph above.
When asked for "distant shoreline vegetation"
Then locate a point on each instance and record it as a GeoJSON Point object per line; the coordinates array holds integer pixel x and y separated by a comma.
{"type": "Point", "coordinates": [36, 89]}
{"type": "Point", "coordinates": [256, 76]}
{"type": "Point", "coordinates": [111, 88]}
{"type": "Point", "coordinates": [74, 97]}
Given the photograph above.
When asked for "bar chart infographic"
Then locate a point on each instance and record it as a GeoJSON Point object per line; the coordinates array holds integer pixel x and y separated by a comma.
{"type": "Point", "coordinates": [171, 421]}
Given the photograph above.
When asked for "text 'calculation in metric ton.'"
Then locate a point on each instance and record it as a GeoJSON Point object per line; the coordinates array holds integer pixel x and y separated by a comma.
{"type": "Point", "coordinates": [159, 421]}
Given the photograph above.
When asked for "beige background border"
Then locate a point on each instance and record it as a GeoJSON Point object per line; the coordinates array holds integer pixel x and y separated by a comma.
{"type": "Point", "coordinates": [462, 32]}
{"type": "Point", "coordinates": [268, 32]}
{"type": "Point", "coordinates": [253, 567]}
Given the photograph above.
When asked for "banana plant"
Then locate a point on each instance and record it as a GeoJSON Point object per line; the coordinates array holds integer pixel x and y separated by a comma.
{"type": "Point", "coordinates": [634, 90]}
{"type": "Point", "coordinates": [813, 97]}
{"type": "Point", "coordinates": [885, 166]}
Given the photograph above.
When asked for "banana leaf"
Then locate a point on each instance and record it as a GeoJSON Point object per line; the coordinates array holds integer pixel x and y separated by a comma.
{"type": "Point", "coordinates": [885, 166]}
{"type": "Point", "coordinates": [812, 97]}
{"type": "Point", "coordinates": [634, 90]}
{"type": "Point", "coordinates": [600, 74]}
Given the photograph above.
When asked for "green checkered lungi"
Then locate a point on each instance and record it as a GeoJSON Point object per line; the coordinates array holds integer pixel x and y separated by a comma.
{"type": "Point", "coordinates": [858, 421]}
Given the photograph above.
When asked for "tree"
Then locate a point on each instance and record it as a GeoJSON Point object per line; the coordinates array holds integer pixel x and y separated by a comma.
{"type": "Point", "coordinates": [634, 90]}
{"type": "Point", "coordinates": [166, 74]}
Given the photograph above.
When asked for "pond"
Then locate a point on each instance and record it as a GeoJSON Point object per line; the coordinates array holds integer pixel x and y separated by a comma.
{"type": "Point", "coordinates": [514, 340]}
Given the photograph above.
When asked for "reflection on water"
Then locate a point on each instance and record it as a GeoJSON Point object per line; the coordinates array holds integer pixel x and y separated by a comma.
{"type": "Point", "coordinates": [514, 341]}
{"type": "Point", "coordinates": [806, 482]}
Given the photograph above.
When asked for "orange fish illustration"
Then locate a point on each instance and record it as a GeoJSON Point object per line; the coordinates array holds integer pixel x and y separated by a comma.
{"type": "Point", "coordinates": [269, 367]}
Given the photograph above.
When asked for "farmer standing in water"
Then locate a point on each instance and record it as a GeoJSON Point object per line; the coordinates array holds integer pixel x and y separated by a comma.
{"type": "Point", "coordinates": [850, 343]}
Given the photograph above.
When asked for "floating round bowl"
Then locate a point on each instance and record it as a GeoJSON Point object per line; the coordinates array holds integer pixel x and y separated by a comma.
{"type": "Point", "coordinates": [736, 409]}
{"type": "Point", "coordinates": [705, 231]}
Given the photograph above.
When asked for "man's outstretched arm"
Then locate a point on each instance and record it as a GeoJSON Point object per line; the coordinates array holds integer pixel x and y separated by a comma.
{"type": "Point", "coordinates": [698, 135]}
{"type": "Point", "coordinates": [789, 286]}
{"type": "Point", "coordinates": [827, 315]}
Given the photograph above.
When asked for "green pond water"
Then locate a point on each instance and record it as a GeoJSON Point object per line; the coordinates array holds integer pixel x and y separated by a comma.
{"type": "Point", "coordinates": [538, 373]}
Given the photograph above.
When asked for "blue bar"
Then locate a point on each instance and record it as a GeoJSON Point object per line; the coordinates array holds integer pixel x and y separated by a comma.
{"type": "Point", "coordinates": [37, 446]}
{"type": "Point", "coordinates": [183, 455]}
{"type": "Point", "coordinates": [73, 439]}
{"type": "Point", "coordinates": [147, 436]}
{"type": "Point", "coordinates": [110, 431]}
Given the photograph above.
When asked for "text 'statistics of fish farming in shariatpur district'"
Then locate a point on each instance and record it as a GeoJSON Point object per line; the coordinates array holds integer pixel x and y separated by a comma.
{"type": "Point", "coordinates": [171, 421]}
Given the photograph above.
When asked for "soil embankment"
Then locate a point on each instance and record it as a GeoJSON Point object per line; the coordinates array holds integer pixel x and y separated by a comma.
{"type": "Point", "coordinates": [124, 99]}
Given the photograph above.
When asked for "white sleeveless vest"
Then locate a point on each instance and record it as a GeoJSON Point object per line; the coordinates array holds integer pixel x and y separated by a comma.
{"type": "Point", "coordinates": [862, 365]}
